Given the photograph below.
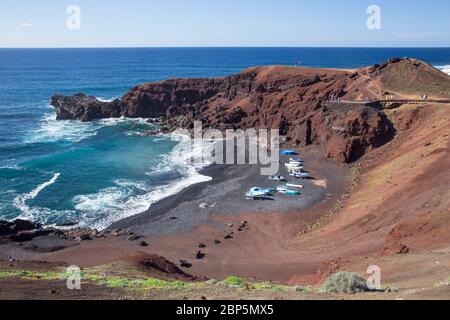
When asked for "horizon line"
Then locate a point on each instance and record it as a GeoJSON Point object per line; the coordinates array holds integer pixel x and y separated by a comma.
{"type": "Point", "coordinates": [234, 47]}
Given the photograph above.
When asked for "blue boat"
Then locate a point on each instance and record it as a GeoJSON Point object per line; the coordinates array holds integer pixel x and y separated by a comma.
{"type": "Point", "coordinates": [288, 153]}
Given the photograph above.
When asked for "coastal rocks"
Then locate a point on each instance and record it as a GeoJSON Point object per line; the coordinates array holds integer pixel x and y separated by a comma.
{"type": "Point", "coordinates": [185, 264]}
{"type": "Point", "coordinates": [157, 266]}
{"type": "Point", "coordinates": [85, 108]}
{"type": "Point", "coordinates": [44, 239]}
{"type": "Point", "coordinates": [134, 237]}
{"type": "Point", "coordinates": [199, 255]}
{"type": "Point", "coordinates": [19, 229]}
{"type": "Point", "coordinates": [143, 244]}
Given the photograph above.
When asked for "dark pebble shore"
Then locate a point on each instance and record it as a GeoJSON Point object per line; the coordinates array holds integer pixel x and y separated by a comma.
{"type": "Point", "coordinates": [225, 194]}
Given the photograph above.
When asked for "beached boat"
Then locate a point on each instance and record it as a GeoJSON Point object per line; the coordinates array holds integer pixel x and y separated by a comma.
{"type": "Point", "coordinates": [270, 191]}
{"type": "Point", "coordinates": [286, 190]}
{"type": "Point", "coordinates": [292, 185]}
{"type": "Point", "coordinates": [257, 193]}
{"type": "Point", "coordinates": [288, 153]}
{"type": "Point", "coordinates": [300, 175]}
{"type": "Point", "coordinates": [277, 178]}
{"type": "Point", "coordinates": [293, 167]}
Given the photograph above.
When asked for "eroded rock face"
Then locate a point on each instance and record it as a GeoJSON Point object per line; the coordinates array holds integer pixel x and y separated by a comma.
{"type": "Point", "coordinates": [85, 108]}
{"type": "Point", "coordinates": [293, 100]}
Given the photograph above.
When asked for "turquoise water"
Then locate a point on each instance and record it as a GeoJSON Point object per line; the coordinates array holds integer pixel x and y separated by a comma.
{"type": "Point", "coordinates": [97, 173]}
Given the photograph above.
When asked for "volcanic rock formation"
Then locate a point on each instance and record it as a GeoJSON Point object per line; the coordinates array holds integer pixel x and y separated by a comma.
{"type": "Point", "coordinates": [322, 107]}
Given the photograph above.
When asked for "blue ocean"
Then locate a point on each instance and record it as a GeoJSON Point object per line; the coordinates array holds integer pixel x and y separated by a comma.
{"type": "Point", "coordinates": [97, 173]}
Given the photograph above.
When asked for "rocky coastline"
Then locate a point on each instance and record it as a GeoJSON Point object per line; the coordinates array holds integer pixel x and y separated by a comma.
{"type": "Point", "coordinates": [303, 103]}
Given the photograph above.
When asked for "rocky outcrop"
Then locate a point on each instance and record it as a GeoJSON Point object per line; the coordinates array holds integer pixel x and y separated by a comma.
{"type": "Point", "coordinates": [294, 100]}
{"type": "Point", "coordinates": [85, 108]}
{"type": "Point", "coordinates": [47, 239]}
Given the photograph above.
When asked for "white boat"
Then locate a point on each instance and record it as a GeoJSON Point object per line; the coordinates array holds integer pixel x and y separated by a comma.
{"type": "Point", "coordinates": [300, 175]}
{"type": "Point", "coordinates": [257, 193]}
{"type": "Point", "coordinates": [277, 178]}
{"type": "Point", "coordinates": [295, 185]}
{"type": "Point", "coordinates": [292, 168]}
{"type": "Point", "coordinates": [283, 189]}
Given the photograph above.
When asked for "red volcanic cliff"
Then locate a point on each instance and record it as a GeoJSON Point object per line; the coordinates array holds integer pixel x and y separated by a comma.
{"type": "Point", "coordinates": [295, 100]}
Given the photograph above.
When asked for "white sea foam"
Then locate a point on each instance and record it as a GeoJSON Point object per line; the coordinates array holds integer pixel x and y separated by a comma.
{"type": "Point", "coordinates": [12, 167]}
{"type": "Point", "coordinates": [119, 202]}
{"type": "Point", "coordinates": [106, 199]}
{"type": "Point", "coordinates": [52, 130]}
{"type": "Point", "coordinates": [36, 213]}
{"type": "Point", "coordinates": [141, 185]}
{"type": "Point", "coordinates": [115, 121]}
{"type": "Point", "coordinates": [114, 204]}
{"type": "Point", "coordinates": [445, 69]}
{"type": "Point", "coordinates": [107, 99]}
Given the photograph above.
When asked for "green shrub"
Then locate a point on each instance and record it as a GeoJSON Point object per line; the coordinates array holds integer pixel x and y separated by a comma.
{"type": "Point", "coordinates": [267, 285]}
{"type": "Point", "coordinates": [345, 282]}
{"type": "Point", "coordinates": [234, 281]}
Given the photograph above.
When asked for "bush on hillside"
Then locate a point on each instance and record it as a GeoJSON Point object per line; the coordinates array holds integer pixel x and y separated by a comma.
{"type": "Point", "coordinates": [345, 282]}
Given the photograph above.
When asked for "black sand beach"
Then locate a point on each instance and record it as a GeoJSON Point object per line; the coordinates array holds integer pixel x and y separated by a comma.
{"type": "Point", "coordinates": [225, 194]}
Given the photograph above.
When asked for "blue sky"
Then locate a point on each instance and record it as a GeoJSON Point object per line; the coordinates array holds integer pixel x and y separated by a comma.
{"type": "Point", "coordinates": [110, 23]}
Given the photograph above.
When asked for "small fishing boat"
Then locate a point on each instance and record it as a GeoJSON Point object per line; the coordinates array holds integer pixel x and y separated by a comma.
{"type": "Point", "coordinates": [288, 153]}
{"type": "Point", "coordinates": [287, 191]}
{"type": "Point", "coordinates": [292, 193]}
{"type": "Point", "coordinates": [283, 189]}
{"type": "Point", "coordinates": [300, 175]}
{"type": "Point", "coordinates": [294, 167]}
{"type": "Point", "coordinates": [277, 178]}
{"type": "Point", "coordinates": [257, 193]}
{"type": "Point", "coordinates": [292, 185]}
{"type": "Point", "coordinates": [270, 191]}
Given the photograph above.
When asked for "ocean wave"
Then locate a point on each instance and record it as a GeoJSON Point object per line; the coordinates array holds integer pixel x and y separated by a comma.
{"type": "Point", "coordinates": [37, 214]}
{"type": "Point", "coordinates": [14, 167]}
{"type": "Point", "coordinates": [445, 69]}
{"type": "Point", "coordinates": [115, 121]}
{"type": "Point", "coordinates": [110, 205]}
{"type": "Point", "coordinates": [141, 185]}
{"type": "Point", "coordinates": [106, 199]}
{"type": "Point", "coordinates": [101, 99]}
{"type": "Point", "coordinates": [52, 130]}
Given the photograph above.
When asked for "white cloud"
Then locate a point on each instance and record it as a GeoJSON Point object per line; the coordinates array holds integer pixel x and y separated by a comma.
{"type": "Point", "coordinates": [27, 25]}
